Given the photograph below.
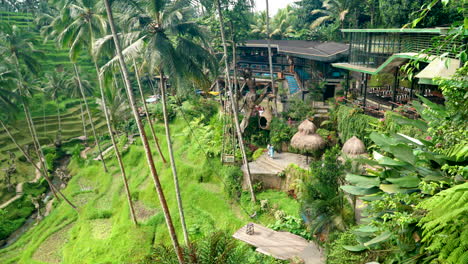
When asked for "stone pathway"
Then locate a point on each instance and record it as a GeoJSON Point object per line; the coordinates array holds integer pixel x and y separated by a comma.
{"type": "Point", "coordinates": [130, 141]}
{"type": "Point", "coordinates": [266, 165]}
{"type": "Point", "coordinates": [19, 188]}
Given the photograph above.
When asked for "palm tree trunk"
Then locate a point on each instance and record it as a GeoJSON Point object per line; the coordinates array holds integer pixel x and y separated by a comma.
{"type": "Point", "coordinates": [29, 121]}
{"type": "Point", "coordinates": [59, 122]}
{"type": "Point", "coordinates": [96, 141]}
{"type": "Point", "coordinates": [46, 177]}
{"type": "Point", "coordinates": [116, 149]}
{"type": "Point", "coordinates": [148, 118]}
{"type": "Point", "coordinates": [83, 122]}
{"type": "Point", "coordinates": [233, 105]}
{"type": "Point", "coordinates": [171, 157]}
{"type": "Point", "coordinates": [144, 139]}
{"type": "Point", "coordinates": [270, 60]}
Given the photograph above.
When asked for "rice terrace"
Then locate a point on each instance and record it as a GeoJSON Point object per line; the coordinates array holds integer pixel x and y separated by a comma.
{"type": "Point", "coordinates": [233, 132]}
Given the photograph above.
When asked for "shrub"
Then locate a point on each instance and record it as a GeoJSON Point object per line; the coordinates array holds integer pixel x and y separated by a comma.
{"type": "Point", "coordinates": [233, 181]}
{"type": "Point", "coordinates": [157, 111]}
{"type": "Point", "coordinates": [352, 122]}
{"type": "Point", "coordinates": [336, 254]}
{"type": "Point", "coordinates": [299, 110]}
{"type": "Point", "coordinates": [199, 107]}
{"type": "Point", "coordinates": [259, 152]}
{"type": "Point", "coordinates": [280, 132]}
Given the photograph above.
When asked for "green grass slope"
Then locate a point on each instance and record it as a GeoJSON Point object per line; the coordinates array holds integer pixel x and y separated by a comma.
{"type": "Point", "coordinates": [102, 232]}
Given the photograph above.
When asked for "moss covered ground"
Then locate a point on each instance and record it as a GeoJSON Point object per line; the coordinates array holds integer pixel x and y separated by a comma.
{"type": "Point", "coordinates": [101, 230]}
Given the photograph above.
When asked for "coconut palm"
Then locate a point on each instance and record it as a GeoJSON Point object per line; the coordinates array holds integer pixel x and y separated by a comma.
{"type": "Point", "coordinates": [89, 24]}
{"type": "Point", "coordinates": [17, 49]}
{"type": "Point", "coordinates": [154, 174]}
{"type": "Point", "coordinates": [73, 90]}
{"type": "Point", "coordinates": [233, 104]}
{"type": "Point", "coordinates": [7, 83]}
{"type": "Point", "coordinates": [111, 129]}
{"type": "Point", "coordinates": [57, 83]}
{"type": "Point", "coordinates": [169, 41]}
{"type": "Point", "coordinates": [335, 10]}
{"type": "Point", "coordinates": [76, 29]}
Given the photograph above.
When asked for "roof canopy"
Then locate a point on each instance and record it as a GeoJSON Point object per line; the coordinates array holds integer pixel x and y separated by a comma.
{"type": "Point", "coordinates": [312, 50]}
{"type": "Point", "coordinates": [441, 30]}
{"type": "Point", "coordinates": [438, 68]}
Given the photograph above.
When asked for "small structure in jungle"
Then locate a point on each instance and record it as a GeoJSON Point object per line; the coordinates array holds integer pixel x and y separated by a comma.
{"type": "Point", "coordinates": [306, 140]}
{"type": "Point", "coordinates": [354, 147]}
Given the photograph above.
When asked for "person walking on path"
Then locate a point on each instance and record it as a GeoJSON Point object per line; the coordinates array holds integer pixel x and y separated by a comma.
{"type": "Point", "coordinates": [271, 150]}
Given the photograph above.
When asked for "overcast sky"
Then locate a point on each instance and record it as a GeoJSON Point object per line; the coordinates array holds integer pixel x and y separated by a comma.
{"type": "Point", "coordinates": [274, 5]}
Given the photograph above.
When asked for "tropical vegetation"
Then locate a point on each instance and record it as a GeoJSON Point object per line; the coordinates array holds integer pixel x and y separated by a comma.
{"type": "Point", "coordinates": [83, 84]}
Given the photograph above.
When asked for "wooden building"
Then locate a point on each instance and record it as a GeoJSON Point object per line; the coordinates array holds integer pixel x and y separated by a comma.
{"type": "Point", "coordinates": [302, 65]}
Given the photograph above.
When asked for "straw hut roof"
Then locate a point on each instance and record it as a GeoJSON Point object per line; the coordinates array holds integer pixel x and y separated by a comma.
{"type": "Point", "coordinates": [306, 139]}
{"type": "Point", "coordinates": [354, 147]}
{"type": "Point", "coordinates": [307, 127]}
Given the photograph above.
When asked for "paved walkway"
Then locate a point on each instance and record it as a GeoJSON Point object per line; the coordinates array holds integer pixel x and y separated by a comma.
{"type": "Point", "coordinates": [19, 188]}
{"type": "Point", "coordinates": [280, 245]}
{"type": "Point", "coordinates": [266, 165]}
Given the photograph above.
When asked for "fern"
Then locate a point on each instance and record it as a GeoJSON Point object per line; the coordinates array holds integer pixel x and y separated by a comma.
{"type": "Point", "coordinates": [444, 225]}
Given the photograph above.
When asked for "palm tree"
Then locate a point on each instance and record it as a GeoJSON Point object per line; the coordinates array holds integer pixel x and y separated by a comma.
{"type": "Point", "coordinates": [233, 104]}
{"type": "Point", "coordinates": [57, 83]}
{"type": "Point", "coordinates": [148, 118]}
{"type": "Point", "coordinates": [141, 129]}
{"type": "Point", "coordinates": [18, 46]}
{"type": "Point", "coordinates": [116, 151]}
{"type": "Point", "coordinates": [76, 29]}
{"type": "Point", "coordinates": [335, 10]}
{"type": "Point", "coordinates": [74, 91]}
{"type": "Point", "coordinates": [283, 23]}
{"type": "Point", "coordinates": [270, 59]}
{"type": "Point", "coordinates": [8, 110]}
{"type": "Point", "coordinates": [168, 40]}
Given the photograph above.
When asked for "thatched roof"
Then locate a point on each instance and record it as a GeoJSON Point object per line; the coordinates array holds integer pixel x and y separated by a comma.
{"type": "Point", "coordinates": [307, 127]}
{"type": "Point", "coordinates": [307, 142]}
{"type": "Point", "coordinates": [353, 147]}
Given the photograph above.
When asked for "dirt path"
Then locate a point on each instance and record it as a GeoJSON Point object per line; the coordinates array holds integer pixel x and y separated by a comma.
{"type": "Point", "coordinates": [83, 153]}
{"type": "Point", "coordinates": [130, 141]}
{"type": "Point", "coordinates": [19, 188]}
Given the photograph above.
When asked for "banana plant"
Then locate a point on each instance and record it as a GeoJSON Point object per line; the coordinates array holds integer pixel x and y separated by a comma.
{"type": "Point", "coordinates": [398, 170]}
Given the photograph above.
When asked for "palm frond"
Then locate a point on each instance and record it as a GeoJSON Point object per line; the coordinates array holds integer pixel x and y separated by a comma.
{"type": "Point", "coordinates": [319, 21]}
{"type": "Point", "coordinates": [129, 53]}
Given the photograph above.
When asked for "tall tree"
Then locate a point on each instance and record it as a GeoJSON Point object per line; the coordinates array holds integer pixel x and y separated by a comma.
{"type": "Point", "coordinates": [141, 129]}
{"type": "Point", "coordinates": [335, 10]}
{"type": "Point", "coordinates": [270, 58]}
{"type": "Point", "coordinates": [233, 104]}
{"type": "Point", "coordinates": [7, 82]}
{"type": "Point", "coordinates": [75, 29]}
{"type": "Point", "coordinates": [57, 83]}
{"type": "Point", "coordinates": [170, 41]}
{"type": "Point", "coordinates": [17, 49]}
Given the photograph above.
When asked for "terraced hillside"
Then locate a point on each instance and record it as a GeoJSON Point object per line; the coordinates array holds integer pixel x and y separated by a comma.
{"type": "Point", "coordinates": [54, 56]}
{"type": "Point", "coordinates": [71, 116]}
{"type": "Point", "coordinates": [47, 128]}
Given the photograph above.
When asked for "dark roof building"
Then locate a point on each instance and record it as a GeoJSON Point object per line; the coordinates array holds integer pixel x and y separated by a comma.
{"type": "Point", "coordinates": [303, 65]}
{"type": "Point", "coordinates": [313, 50]}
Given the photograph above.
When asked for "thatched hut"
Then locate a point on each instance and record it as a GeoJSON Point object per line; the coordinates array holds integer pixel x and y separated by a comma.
{"type": "Point", "coordinates": [307, 127]}
{"type": "Point", "coordinates": [354, 147]}
{"type": "Point", "coordinates": [306, 140]}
